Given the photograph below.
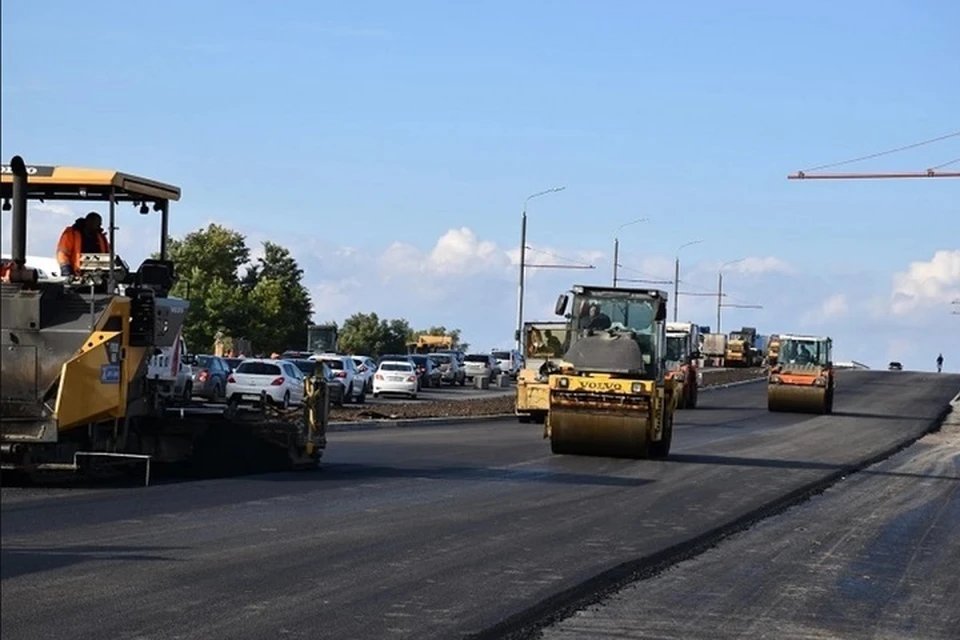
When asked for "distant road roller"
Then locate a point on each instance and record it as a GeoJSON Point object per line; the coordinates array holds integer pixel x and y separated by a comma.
{"type": "Point", "coordinates": [611, 396]}
{"type": "Point", "coordinates": [803, 379]}
{"type": "Point", "coordinates": [76, 393]}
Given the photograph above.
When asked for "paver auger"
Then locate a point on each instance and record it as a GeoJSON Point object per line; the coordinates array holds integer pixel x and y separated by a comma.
{"type": "Point", "coordinates": [610, 396]}
{"type": "Point", "coordinates": [803, 380]}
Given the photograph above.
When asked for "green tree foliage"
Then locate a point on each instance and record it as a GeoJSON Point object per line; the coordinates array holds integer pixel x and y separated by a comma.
{"type": "Point", "coordinates": [368, 334]}
{"type": "Point", "coordinates": [454, 334]}
{"type": "Point", "coordinates": [265, 303]}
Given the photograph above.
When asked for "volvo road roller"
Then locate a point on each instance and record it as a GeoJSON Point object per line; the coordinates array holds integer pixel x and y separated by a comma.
{"type": "Point", "coordinates": [76, 393]}
{"type": "Point", "coordinates": [803, 380]}
{"type": "Point", "coordinates": [683, 340]}
{"type": "Point", "coordinates": [611, 396]}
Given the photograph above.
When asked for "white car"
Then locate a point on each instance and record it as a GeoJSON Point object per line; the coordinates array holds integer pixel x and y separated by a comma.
{"type": "Point", "coordinates": [280, 380]}
{"type": "Point", "coordinates": [395, 377]}
{"type": "Point", "coordinates": [345, 370]}
{"type": "Point", "coordinates": [366, 367]}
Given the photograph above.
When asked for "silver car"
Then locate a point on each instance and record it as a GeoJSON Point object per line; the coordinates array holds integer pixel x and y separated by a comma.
{"type": "Point", "coordinates": [481, 365]}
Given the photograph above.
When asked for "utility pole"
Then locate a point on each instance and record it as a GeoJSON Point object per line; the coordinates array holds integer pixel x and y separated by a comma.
{"type": "Point", "coordinates": [720, 287]}
{"type": "Point", "coordinates": [616, 246]}
{"type": "Point", "coordinates": [523, 258]}
{"type": "Point", "coordinates": [676, 277]}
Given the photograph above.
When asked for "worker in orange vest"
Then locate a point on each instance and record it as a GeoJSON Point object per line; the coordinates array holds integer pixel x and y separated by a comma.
{"type": "Point", "coordinates": [83, 236]}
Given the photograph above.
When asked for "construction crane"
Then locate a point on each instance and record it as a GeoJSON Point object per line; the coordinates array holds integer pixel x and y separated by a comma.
{"type": "Point", "coordinates": [932, 172]}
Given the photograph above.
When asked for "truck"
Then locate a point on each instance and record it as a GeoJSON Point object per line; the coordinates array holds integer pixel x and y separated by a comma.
{"type": "Point", "coordinates": [429, 344]}
{"type": "Point", "coordinates": [545, 345]}
{"type": "Point", "coordinates": [683, 353]}
{"type": "Point", "coordinates": [714, 349]}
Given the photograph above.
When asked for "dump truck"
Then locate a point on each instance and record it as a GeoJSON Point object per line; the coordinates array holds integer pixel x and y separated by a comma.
{"type": "Point", "coordinates": [544, 347]}
{"type": "Point", "coordinates": [429, 344]}
{"type": "Point", "coordinates": [683, 352]}
{"type": "Point", "coordinates": [77, 394]}
{"type": "Point", "coordinates": [803, 379]}
{"type": "Point", "coordinates": [611, 396]}
{"type": "Point", "coordinates": [714, 348]}
{"type": "Point", "coordinates": [740, 350]}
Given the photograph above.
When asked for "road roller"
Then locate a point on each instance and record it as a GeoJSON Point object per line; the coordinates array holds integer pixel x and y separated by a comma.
{"type": "Point", "coordinates": [610, 395]}
{"type": "Point", "coordinates": [803, 379]}
{"type": "Point", "coordinates": [77, 389]}
{"type": "Point", "coordinates": [544, 346]}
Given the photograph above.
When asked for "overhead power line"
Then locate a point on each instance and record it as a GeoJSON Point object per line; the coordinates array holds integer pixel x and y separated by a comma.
{"type": "Point", "coordinates": [884, 153]}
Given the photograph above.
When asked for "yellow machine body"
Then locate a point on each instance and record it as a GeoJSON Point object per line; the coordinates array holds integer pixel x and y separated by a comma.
{"type": "Point", "coordinates": [545, 343]}
{"type": "Point", "coordinates": [803, 380]}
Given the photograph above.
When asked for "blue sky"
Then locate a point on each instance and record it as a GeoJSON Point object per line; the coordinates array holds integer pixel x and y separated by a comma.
{"type": "Point", "coordinates": [340, 129]}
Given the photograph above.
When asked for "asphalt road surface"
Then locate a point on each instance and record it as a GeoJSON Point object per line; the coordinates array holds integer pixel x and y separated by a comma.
{"type": "Point", "coordinates": [875, 556]}
{"type": "Point", "coordinates": [417, 533]}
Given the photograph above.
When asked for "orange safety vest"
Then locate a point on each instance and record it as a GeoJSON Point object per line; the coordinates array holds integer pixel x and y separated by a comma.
{"type": "Point", "coordinates": [68, 249]}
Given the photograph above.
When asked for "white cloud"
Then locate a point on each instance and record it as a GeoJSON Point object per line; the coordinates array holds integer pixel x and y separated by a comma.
{"type": "Point", "coordinates": [832, 308]}
{"type": "Point", "coordinates": [933, 283]}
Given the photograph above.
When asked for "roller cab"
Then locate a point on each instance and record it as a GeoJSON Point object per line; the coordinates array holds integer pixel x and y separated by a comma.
{"type": "Point", "coordinates": [611, 396]}
{"type": "Point", "coordinates": [683, 340]}
{"type": "Point", "coordinates": [803, 379]}
{"type": "Point", "coordinates": [544, 348]}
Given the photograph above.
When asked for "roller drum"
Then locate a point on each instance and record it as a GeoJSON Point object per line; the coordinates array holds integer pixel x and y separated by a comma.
{"type": "Point", "coordinates": [592, 433]}
{"type": "Point", "coordinates": [799, 399]}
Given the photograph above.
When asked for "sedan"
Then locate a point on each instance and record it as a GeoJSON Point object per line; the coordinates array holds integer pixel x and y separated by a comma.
{"type": "Point", "coordinates": [210, 377]}
{"type": "Point", "coordinates": [395, 377]}
{"type": "Point", "coordinates": [279, 380]}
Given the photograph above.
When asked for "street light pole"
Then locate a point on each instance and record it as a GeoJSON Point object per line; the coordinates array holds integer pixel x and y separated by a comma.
{"type": "Point", "coordinates": [616, 246]}
{"type": "Point", "coordinates": [676, 277]}
{"type": "Point", "coordinates": [523, 260]}
{"type": "Point", "coordinates": [720, 288]}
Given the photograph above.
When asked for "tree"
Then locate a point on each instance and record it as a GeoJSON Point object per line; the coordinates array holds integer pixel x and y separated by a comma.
{"type": "Point", "coordinates": [368, 334]}
{"type": "Point", "coordinates": [267, 305]}
{"type": "Point", "coordinates": [454, 334]}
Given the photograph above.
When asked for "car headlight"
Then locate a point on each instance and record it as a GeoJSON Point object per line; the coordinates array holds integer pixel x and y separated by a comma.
{"type": "Point", "coordinates": [636, 387]}
{"type": "Point", "coordinates": [774, 379]}
{"type": "Point", "coordinates": [563, 383]}
{"type": "Point", "coordinates": [820, 381]}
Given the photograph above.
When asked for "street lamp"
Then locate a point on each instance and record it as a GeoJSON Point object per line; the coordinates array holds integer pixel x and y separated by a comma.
{"type": "Point", "coordinates": [676, 276]}
{"type": "Point", "coordinates": [720, 287]}
{"type": "Point", "coordinates": [523, 258]}
{"type": "Point", "coordinates": [616, 246]}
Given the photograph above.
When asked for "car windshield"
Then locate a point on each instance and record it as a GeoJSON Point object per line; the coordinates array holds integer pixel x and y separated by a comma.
{"type": "Point", "coordinates": [616, 313]}
{"type": "Point", "coordinates": [258, 368]}
{"type": "Point", "coordinates": [396, 366]}
{"type": "Point", "coordinates": [501, 355]}
{"type": "Point", "coordinates": [804, 351]}
{"type": "Point", "coordinates": [420, 360]}
{"type": "Point", "coordinates": [477, 358]}
{"type": "Point", "coordinates": [440, 358]}
{"type": "Point", "coordinates": [334, 364]}
{"type": "Point", "coordinates": [676, 348]}
{"type": "Point", "coordinates": [203, 361]}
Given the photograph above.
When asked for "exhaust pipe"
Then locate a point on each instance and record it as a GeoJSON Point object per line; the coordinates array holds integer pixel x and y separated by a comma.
{"type": "Point", "coordinates": [18, 226]}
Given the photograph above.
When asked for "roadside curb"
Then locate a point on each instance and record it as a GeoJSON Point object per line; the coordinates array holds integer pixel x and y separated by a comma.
{"type": "Point", "coordinates": [727, 385]}
{"type": "Point", "coordinates": [446, 421]}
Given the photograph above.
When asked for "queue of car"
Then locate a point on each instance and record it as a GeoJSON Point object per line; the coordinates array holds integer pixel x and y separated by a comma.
{"type": "Point", "coordinates": [349, 377]}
